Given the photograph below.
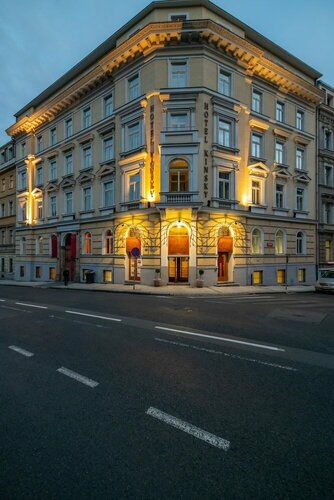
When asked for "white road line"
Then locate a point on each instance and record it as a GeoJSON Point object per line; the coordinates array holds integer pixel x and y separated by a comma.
{"type": "Point", "coordinates": [15, 309]}
{"type": "Point", "coordinates": [93, 316]}
{"type": "Point", "coordinates": [21, 351]}
{"type": "Point", "coordinates": [30, 305]}
{"type": "Point", "coordinates": [2, 300]}
{"type": "Point", "coordinates": [224, 339]}
{"type": "Point", "coordinates": [216, 441]}
{"type": "Point", "coordinates": [235, 356]}
{"type": "Point", "coordinates": [78, 377]}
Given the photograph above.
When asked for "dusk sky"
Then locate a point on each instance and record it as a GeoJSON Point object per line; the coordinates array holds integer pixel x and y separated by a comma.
{"type": "Point", "coordinates": [42, 39]}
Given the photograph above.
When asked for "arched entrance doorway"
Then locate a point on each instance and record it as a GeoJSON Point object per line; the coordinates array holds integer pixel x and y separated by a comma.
{"type": "Point", "coordinates": [178, 254]}
{"type": "Point", "coordinates": [225, 250]}
{"type": "Point", "coordinates": [70, 244]}
{"type": "Point", "coordinates": [133, 241]}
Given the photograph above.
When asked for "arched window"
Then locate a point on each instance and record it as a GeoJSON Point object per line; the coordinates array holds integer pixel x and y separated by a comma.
{"type": "Point", "coordinates": [280, 242]}
{"type": "Point", "coordinates": [300, 243]}
{"type": "Point", "coordinates": [54, 246]}
{"type": "Point", "coordinates": [88, 243]}
{"type": "Point", "coordinates": [257, 241]}
{"type": "Point", "coordinates": [178, 176]}
{"type": "Point", "coordinates": [108, 242]}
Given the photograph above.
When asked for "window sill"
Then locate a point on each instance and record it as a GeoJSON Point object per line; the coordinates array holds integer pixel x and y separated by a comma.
{"type": "Point", "coordinates": [281, 209]}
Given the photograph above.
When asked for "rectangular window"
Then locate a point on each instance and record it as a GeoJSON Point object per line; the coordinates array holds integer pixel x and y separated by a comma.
{"type": "Point", "coordinates": [53, 170]}
{"type": "Point", "coordinates": [279, 152]}
{"type": "Point", "coordinates": [69, 203]}
{"type": "Point", "coordinates": [225, 133]}
{"type": "Point", "coordinates": [39, 142]}
{"type": "Point", "coordinates": [256, 145]}
{"type": "Point", "coordinates": [108, 194]}
{"type": "Point", "coordinates": [53, 136]}
{"type": "Point", "coordinates": [280, 276]}
{"type": "Point", "coordinates": [2, 265]}
{"type": "Point", "coordinates": [133, 132]}
{"type": "Point", "coordinates": [300, 159]}
{"type": "Point", "coordinates": [87, 198]}
{"type": "Point", "coordinates": [23, 180]}
{"type": "Point", "coordinates": [224, 187]}
{"type": "Point", "coordinates": [10, 208]}
{"type": "Point", "coordinates": [68, 127]}
{"type": "Point", "coordinates": [280, 112]}
{"type": "Point", "coordinates": [11, 182]}
{"type": "Point", "coordinates": [300, 120]}
{"type": "Point", "coordinates": [21, 271]}
{"type": "Point", "coordinates": [225, 83]}
{"type": "Point", "coordinates": [53, 206]}
{"type": "Point", "coordinates": [328, 139]}
{"type": "Point", "coordinates": [3, 185]}
{"type": "Point", "coordinates": [107, 105]}
{"type": "Point", "coordinates": [86, 117]}
{"type": "Point", "coordinates": [87, 157]}
{"type": "Point", "coordinates": [134, 187]}
{"type": "Point", "coordinates": [178, 121]}
{"type": "Point", "coordinates": [39, 209]}
{"type": "Point", "coordinates": [256, 192]}
{"type": "Point", "coordinates": [23, 149]}
{"type": "Point", "coordinates": [257, 277]}
{"type": "Point", "coordinates": [107, 276]}
{"type": "Point", "coordinates": [300, 199]}
{"type": "Point", "coordinates": [2, 210]}
{"type": "Point", "coordinates": [52, 273]}
{"type": "Point", "coordinates": [327, 213]}
{"type": "Point", "coordinates": [328, 250]}
{"type": "Point", "coordinates": [301, 275]}
{"type": "Point", "coordinates": [328, 175]}
{"type": "Point", "coordinates": [178, 17]}
{"type": "Point", "coordinates": [257, 101]}
{"type": "Point", "coordinates": [68, 170]}
{"type": "Point", "coordinates": [39, 176]}
{"type": "Point", "coordinates": [11, 236]}
{"type": "Point", "coordinates": [279, 196]}
{"type": "Point", "coordinates": [178, 74]}
{"type": "Point", "coordinates": [37, 272]}
{"type": "Point", "coordinates": [108, 149]}
{"type": "Point", "coordinates": [3, 237]}
{"type": "Point", "coordinates": [10, 265]}
{"type": "Point", "coordinates": [133, 87]}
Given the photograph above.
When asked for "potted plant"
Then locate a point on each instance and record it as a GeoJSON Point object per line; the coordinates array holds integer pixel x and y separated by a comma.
{"type": "Point", "coordinates": [200, 280]}
{"type": "Point", "coordinates": [157, 278]}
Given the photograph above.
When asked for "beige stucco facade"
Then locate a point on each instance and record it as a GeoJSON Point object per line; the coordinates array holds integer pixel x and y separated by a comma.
{"type": "Point", "coordinates": [7, 211]}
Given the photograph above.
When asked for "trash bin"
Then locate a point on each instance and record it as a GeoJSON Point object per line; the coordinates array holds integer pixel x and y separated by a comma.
{"type": "Point", "coordinates": [90, 276]}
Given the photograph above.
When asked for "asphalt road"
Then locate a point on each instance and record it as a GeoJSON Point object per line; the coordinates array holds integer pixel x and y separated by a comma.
{"type": "Point", "coordinates": [121, 396]}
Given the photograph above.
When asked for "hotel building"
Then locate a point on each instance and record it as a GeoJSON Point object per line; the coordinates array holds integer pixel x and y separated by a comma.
{"type": "Point", "coordinates": [186, 138]}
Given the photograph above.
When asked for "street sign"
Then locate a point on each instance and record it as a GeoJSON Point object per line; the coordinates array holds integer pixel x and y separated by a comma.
{"type": "Point", "coordinates": [135, 252]}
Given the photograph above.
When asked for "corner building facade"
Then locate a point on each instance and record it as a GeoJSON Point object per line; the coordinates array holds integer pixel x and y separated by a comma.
{"type": "Point", "coordinates": [186, 135]}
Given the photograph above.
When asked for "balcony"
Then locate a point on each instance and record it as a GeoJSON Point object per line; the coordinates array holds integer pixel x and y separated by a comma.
{"type": "Point", "coordinates": [184, 198]}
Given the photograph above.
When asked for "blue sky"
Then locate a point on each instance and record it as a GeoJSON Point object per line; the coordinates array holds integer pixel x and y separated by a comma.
{"type": "Point", "coordinates": [40, 40]}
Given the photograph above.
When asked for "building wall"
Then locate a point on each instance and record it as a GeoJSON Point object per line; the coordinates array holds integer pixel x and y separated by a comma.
{"type": "Point", "coordinates": [7, 211]}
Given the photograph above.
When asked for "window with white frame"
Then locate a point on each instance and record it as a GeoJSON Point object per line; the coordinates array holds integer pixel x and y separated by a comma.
{"type": "Point", "coordinates": [68, 127]}
{"type": "Point", "coordinates": [279, 195]}
{"type": "Point", "coordinates": [178, 120]}
{"type": "Point", "coordinates": [225, 133]}
{"type": "Point", "coordinates": [53, 170]}
{"type": "Point", "coordinates": [299, 120]}
{"type": "Point", "coordinates": [39, 143]}
{"type": "Point", "coordinates": [23, 211]}
{"type": "Point", "coordinates": [107, 105]}
{"type": "Point", "coordinates": [39, 176]}
{"type": "Point", "coordinates": [39, 208]}
{"type": "Point", "coordinates": [300, 199]}
{"type": "Point", "coordinates": [68, 166]}
{"type": "Point", "coordinates": [256, 192]}
{"type": "Point", "coordinates": [134, 186]}
{"type": "Point", "coordinates": [133, 87]}
{"type": "Point", "coordinates": [22, 180]}
{"type": "Point", "coordinates": [87, 243]}
{"type": "Point", "coordinates": [10, 208]}
{"type": "Point", "coordinates": [86, 117]}
{"type": "Point", "coordinates": [87, 157]}
{"type": "Point", "coordinates": [280, 242]}
{"type": "Point", "coordinates": [87, 198]}
{"type": "Point", "coordinates": [108, 149]}
{"type": "Point", "coordinates": [11, 182]}
{"type": "Point", "coordinates": [53, 136]}
{"type": "Point", "coordinates": [328, 250]}
{"type": "Point", "coordinates": [279, 115]}
{"type": "Point", "coordinates": [300, 159]}
{"type": "Point", "coordinates": [257, 101]}
{"type": "Point", "coordinates": [178, 73]}
{"type": "Point", "coordinates": [300, 243]}
{"type": "Point", "coordinates": [133, 136]}
{"type": "Point", "coordinates": [257, 241]}
{"type": "Point", "coordinates": [23, 150]}
{"type": "Point", "coordinates": [328, 139]}
{"type": "Point", "coordinates": [225, 82]}
{"type": "Point", "coordinates": [108, 193]}
{"type": "Point", "coordinates": [53, 206]}
{"type": "Point", "coordinates": [68, 202]}
{"type": "Point", "coordinates": [327, 210]}
{"type": "Point", "coordinates": [328, 175]}
{"type": "Point", "coordinates": [279, 152]}
{"type": "Point", "coordinates": [178, 176]}
{"type": "Point", "coordinates": [256, 145]}
{"type": "Point", "coordinates": [224, 185]}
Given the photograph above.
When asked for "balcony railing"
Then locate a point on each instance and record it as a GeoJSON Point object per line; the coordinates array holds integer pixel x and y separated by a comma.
{"type": "Point", "coordinates": [179, 198]}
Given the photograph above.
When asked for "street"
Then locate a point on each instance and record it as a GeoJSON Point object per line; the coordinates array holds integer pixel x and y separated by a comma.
{"type": "Point", "coordinates": [107, 395]}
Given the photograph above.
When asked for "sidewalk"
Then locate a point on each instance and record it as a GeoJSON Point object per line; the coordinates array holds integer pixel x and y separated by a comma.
{"type": "Point", "coordinates": [167, 290]}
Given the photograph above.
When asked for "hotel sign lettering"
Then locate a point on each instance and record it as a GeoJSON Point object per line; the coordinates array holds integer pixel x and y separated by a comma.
{"type": "Point", "coordinates": [152, 151]}
{"type": "Point", "coordinates": [206, 151]}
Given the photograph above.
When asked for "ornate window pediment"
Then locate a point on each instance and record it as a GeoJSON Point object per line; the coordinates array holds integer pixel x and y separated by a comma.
{"type": "Point", "coordinates": [37, 193]}
{"type": "Point", "coordinates": [67, 183]}
{"type": "Point", "coordinates": [282, 134]}
{"type": "Point", "coordinates": [85, 177]}
{"type": "Point", "coordinates": [258, 124]}
{"type": "Point", "coordinates": [304, 178]}
{"type": "Point", "coordinates": [282, 172]}
{"type": "Point", "coordinates": [106, 169]}
{"type": "Point", "coordinates": [50, 187]}
{"type": "Point", "coordinates": [258, 169]}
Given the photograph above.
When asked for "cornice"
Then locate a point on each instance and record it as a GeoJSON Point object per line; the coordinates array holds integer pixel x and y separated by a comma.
{"type": "Point", "coordinates": [156, 36]}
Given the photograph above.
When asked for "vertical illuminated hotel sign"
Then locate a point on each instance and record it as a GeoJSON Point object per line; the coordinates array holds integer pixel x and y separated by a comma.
{"type": "Point", "coordinates": [206, 151]}
{"type": "Point", "coordinates": [152, 152]}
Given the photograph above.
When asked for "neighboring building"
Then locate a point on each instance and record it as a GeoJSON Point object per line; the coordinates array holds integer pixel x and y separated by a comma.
{"type": "Point", "coordinates": [326, 176]}
{"type": "Point", "coordinates": [186, 135]}
{"type": "Point", "coordinates": [7, 210]}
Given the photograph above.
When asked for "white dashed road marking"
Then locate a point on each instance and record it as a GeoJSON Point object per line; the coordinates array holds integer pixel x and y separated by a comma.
{"type": "Point", "coordinates": [78, 377]}
{"type": "Point", "coordinates": [30, 305]}
{"type": "Point", "coordinates": [209, 438]}
{"type": "Point", "coordinates": [21, 351]}
{"type": "Point", "coordinates": [224, 339]}
{"type": "Point", "coordinates": [93, 316]}
{"type": "Point", "coordinates": [2, 300]}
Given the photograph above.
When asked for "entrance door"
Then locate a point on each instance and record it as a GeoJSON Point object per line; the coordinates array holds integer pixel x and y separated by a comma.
{"type": "Point", "coordinates": [178, 269]}
{"type": "Point", "coordinates": [70, 255]}
{"type": "Point", "coordinates": [134, 268]}
{"type": "Point", "coordinates": [222, 266]}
